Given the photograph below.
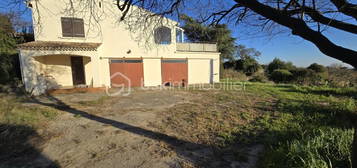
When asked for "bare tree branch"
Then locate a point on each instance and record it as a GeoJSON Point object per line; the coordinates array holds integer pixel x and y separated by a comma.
{"type": "Point", "coordinates": [346, 8]}
{"type": "Point", "coordinates": [319, 18]}
{"type": "Point", "coordinates": [300, 28]}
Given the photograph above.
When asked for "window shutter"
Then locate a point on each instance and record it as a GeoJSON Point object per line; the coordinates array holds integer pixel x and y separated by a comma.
{"type": "Point", "coordinates": [78, 28]}
{"type": "Point", "coordinates": [67, 27]}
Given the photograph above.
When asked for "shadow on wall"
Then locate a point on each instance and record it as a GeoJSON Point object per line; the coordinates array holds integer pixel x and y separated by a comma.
{"type": "Point", "coordinates": [17, 148]}
{"type": "Point", "coordinates": [143, 27]}
{"type": "Point", "coordinates": [34, 78]}
{"type": "Point", "coordinates": [43, 73]}
{"type": "Point", "coordinates": [52, 67]}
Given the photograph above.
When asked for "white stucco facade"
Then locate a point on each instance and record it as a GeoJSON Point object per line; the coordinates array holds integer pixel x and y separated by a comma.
{"type": "Point", "coordinates": [131, 38]}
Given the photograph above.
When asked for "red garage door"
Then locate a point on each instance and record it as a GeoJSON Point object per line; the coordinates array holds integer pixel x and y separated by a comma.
{"type": "Point", "coordinates": [127, 72]}
{"type": "Point", "coordinates": [174, 72]}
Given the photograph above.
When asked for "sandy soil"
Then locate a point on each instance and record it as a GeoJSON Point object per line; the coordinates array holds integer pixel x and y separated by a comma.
{"type": "Point", "coordinates": [94, 130]}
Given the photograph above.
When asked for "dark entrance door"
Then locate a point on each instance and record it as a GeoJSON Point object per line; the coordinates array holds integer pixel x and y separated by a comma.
{"type": "Point", "coordinates": [78, 71]}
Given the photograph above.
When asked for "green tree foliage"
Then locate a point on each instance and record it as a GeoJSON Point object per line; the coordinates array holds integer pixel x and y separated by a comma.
{"type": "Point", "coordinates": [7, 41]}
{"type": "Point", "coordinates": [280, 71]}
{"type": "Point", "coordinates": [279, 64]}
{"type": "Point", "coordinates": [246, 63]}
{"type": "Point", "coordinates": [7, 49]}
{"type": "Point", "coordinates": [317, 68]}
{"type": "Point", "coordinates": [281, 76]}
{"type": "Point", "coordinates": [305, 76]}
{"type": "Point", "coordinates": [220, 34]}
{"type": "Point", "coordinates": [244, 53]}
{"type": "Point", "coordinates": [249, 66]}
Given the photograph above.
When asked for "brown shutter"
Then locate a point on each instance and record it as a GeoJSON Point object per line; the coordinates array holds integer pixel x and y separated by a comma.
{"type": "Point", "coordinates": [67, 27]}
{"type": "Point", "coordinates": [78, 28]}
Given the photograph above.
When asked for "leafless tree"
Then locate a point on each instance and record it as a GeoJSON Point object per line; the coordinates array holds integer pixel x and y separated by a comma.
{"type": "Point", "coordinates": [307, 19]}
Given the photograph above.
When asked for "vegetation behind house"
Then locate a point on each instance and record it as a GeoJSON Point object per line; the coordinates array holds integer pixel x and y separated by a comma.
{"type": "Point", "coordinates": [9, 38]}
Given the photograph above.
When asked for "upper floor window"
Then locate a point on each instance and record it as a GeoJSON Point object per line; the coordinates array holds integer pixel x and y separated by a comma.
{"type": "Point", "coordinates": [72, 27]}
{"type": "Point", "coordinates": [162, 35]}
{"type": "Point", "coordinates": [179, 35]}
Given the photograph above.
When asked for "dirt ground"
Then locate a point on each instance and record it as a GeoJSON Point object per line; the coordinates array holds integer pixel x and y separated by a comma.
{"type": "Point", "coordinates": [140, 130]}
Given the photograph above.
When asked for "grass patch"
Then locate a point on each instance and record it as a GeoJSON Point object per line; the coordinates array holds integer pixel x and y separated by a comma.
{"type": "Point", "coordinates": [18, 124]}
{"type": "Point", "coordinates": [13, 112]}
{"type": "Point", "coordinates": [299, 126]}
{"type": "Point", "coordinates": [309, 128]}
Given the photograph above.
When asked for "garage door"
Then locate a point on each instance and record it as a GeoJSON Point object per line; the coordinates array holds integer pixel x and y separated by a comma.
{"type": "Point", "coordinates": [174, 72]}
{"type": "Point", "coordinates": [128, 72]}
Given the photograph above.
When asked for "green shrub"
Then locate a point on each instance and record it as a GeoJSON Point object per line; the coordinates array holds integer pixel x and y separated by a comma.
{"type": "Point", "coordinates": [281, 76]}
{"type": "Point", "coordinates": [233, 74]}
{"type": "Point", "coordinates": [249, 66]}
{"type": "Point", "coordinates": [308, 76]}
{"type": "Point", "coordinates": [338, 77]}
{"type": "Point", "coordinates": [279, 64]}
{"type": "Point", "coordinates": [317, 68]}
{"type": "Point", "coordinates": [259, 78]}
{"type": "Point", "coordinates": [8, 54]}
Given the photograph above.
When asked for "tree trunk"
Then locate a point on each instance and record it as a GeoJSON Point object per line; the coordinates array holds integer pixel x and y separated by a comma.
{"type": "Point", "coordinates": [300, 28]}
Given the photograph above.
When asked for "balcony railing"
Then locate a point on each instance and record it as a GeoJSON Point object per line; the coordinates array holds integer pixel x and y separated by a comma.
{"type": "Point", "coordinates": [196, 47]}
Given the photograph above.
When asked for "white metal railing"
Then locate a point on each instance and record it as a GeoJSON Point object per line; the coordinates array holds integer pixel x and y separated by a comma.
{"type": "Point", "coordinates": [196, 47]}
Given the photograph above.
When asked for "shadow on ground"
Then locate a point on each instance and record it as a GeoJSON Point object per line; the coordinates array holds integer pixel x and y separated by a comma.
{"type": "Point", "coordinates": [197, 154]}
{"type": "Point", "coordinates": [17, 148]}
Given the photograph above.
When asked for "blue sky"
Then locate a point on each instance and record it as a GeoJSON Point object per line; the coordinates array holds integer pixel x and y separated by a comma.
{"type": "Point", "coordinates": [295, 49]}
{"type": "Point", "coordinates": [285, 46]}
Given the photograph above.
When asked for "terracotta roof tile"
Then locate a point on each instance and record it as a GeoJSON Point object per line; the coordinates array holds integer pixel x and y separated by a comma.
{"type": "Point", "coordinates": [58, 45]}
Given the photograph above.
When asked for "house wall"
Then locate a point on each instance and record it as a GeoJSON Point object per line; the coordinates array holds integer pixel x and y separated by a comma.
{"type": "Point", "coordinates": [152, 72]}
{"type": "Point", "coordinates": [42, 70]}
{"type": "Point", "coordinates": [198, 63]}
{"type": "Point", "coordinates": [199, 71]}
{"type": "Point", "coordinates": [58, 68]}
{"type": "Point", "coordinates": [131, 38]}
{"type": "Point", "coordinates": [32, 71]}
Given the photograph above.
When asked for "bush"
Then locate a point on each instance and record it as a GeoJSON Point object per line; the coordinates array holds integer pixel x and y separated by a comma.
{"type": "Point", "coordinates": [8, 54]}
{"type": "Point", "coordinates": [9, 68]}
{"type": "Point", "coordinates": [307, 76]}
{"type": "Point", "coordinates": [233, 74]}
{"type": "Point", "coordinates": [249, 66]}
{"type": "Point", "coordinates": [281, 76]}
{"type": "Point", "coordinates": [317, 68]}
{"type": "Point", "coordinates": [229, 65]}
{"type": "Point", "coordinates": [258, 78]}
{"type": "Point", "coordinates": [342, 77]}
{"type": "Point", "coordinates": [279, 64]}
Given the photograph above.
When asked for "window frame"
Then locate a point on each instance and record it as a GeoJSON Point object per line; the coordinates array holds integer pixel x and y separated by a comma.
{"type": "Point", "coordinates": [164, 31]}
{"type": "Point", "coordinates": [78, 32]}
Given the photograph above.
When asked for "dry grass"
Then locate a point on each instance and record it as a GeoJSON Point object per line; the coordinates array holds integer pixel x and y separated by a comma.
{"type": "Point", "coordinates": [211, 116]}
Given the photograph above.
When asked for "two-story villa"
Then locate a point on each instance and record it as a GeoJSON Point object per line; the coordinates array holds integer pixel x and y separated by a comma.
{"type": "Point", "coordinates": [87, 45]}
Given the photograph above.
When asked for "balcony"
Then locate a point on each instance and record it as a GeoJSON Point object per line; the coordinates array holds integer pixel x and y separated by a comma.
{"type": "Point", "coordinates": [196, 47]}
